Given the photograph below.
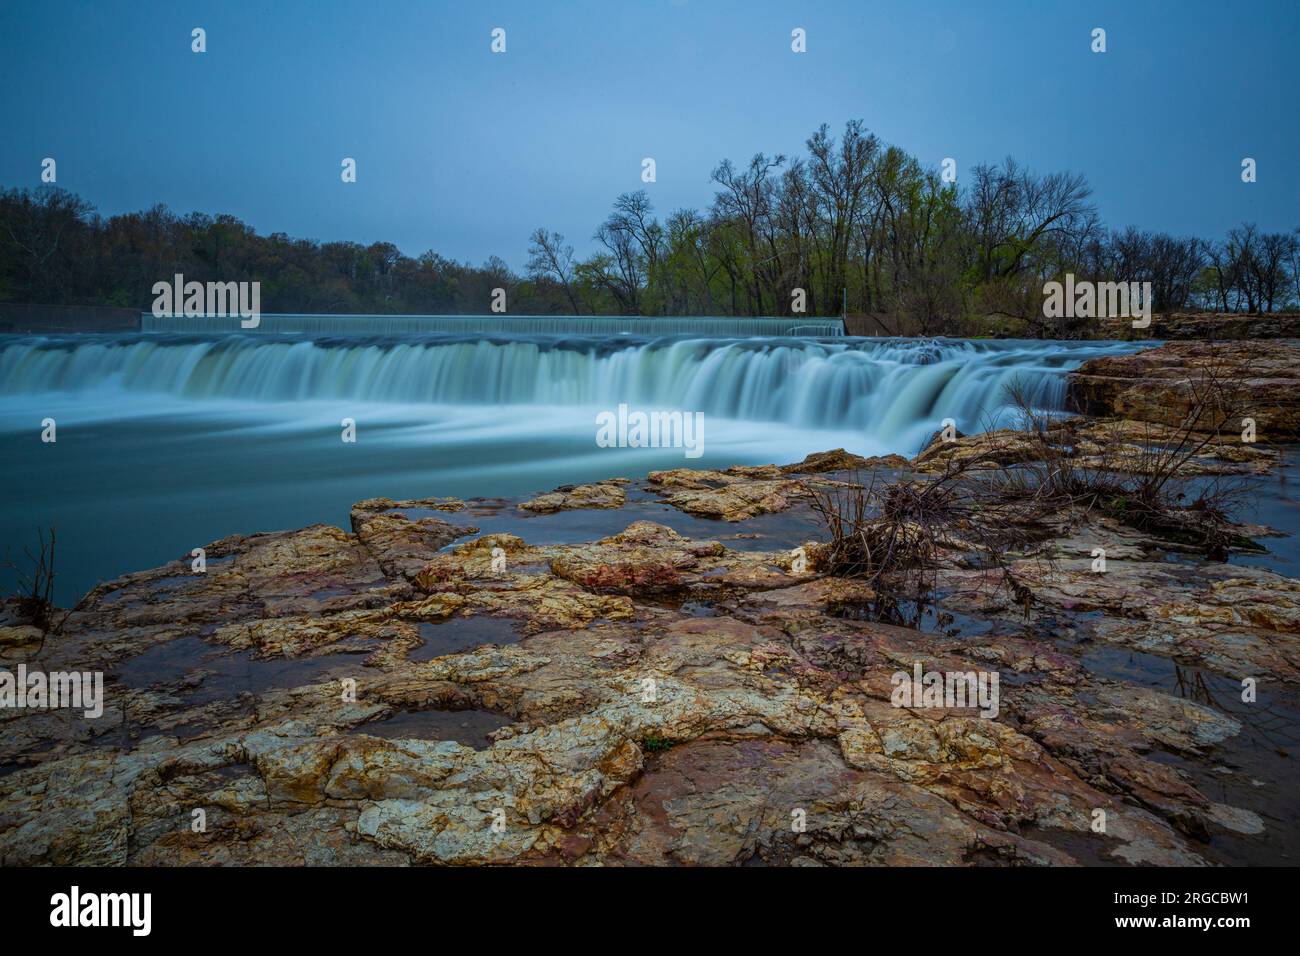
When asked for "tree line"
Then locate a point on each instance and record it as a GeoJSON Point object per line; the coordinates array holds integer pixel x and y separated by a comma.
{"type": "Point", "coordinates": [855, 225]}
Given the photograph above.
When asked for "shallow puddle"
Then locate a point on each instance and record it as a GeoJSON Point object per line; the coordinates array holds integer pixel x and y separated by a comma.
{"type": "Point", "coordinates": [938, 619]}
{"type": "Point", "coordinates": [468, 727]}
{"type": "Point", "coordinates": [1256, 770]}
{"type": "Point", "coordinates": [457, 634]}
{"type": "Point", "coordinates": [212, 673]}
{"type": "Point", "coordinates": [1274, 500]}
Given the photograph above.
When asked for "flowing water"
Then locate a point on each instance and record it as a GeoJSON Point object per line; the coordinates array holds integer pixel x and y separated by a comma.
{"type": "Point", "coordinates": [167, 441]}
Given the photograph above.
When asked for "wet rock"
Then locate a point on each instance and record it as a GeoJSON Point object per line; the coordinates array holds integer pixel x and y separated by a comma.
{"type": "Point", "coordinates": [604, 494]}
{"type": "Point", "coordinates": [1234, 619]}
{"type": "Point", "coordinates": [647, 558]}
{"type": "Point", "coordinates": [1207, 326]}
{"type": "Point", "coordinates": [1135, 448]}
{"type": "Point", "coordinates": [1237, 819]}
{"type": "Point", "coordinates": [402, 546]}
{"type": "Point", "coordinates": [624, 726]}
{"type": "Point", "coordinates": [1113, 445]}
{"type": "Point", "coordinates": [993, 449]}
{"type": "Point", "coordinates": [1159, 385]}
{"type": "Point", "coordinates": [841, 460]}
{"type": "Point", "coordinates": [735, 501]}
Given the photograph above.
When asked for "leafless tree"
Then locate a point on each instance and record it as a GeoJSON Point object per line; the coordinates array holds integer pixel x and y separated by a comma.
{"type": "Point", "coordinates": [1274, 253]}
{"type": "Point", "coordinates": [37, 224]}
{"type": "Point", "coordinates": [550, 257]}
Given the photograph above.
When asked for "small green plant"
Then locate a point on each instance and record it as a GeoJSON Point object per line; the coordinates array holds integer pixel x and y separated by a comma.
{"type": "Point", "coordinates": [652, 744]}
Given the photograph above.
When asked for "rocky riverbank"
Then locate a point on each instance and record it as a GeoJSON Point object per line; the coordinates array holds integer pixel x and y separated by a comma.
{"type": "Point", "coordinates": [659, 671]}
{"type": "Point", "coordinates": [1158, 385]}
{"type": "Point", "coordinates": [1207, 326]}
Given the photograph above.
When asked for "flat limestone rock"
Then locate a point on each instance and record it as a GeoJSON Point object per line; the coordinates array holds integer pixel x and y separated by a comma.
{"type": "Point", "coordinates": [841, 460]}
{"type": "Point", "coordinates": [604, 494]}
{"type": "Point", "coordinates": [737, 500]}
{"type": "Point", "coordinates": [662, 699]}
{"type": "Point", "coordinates": [1159, 385]}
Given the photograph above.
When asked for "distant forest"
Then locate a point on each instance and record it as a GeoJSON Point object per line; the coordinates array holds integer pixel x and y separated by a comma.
{"type": "Point", "coordinates": [857, 224]}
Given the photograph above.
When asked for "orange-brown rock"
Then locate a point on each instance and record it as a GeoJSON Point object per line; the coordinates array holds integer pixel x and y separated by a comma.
{"type": "Point", "coordinates": [1260, 379]}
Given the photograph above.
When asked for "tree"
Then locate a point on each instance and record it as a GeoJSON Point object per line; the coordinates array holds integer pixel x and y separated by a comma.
{"type": "Point", "coordinates": [852, 222]}
{"type": "Point", "coordinates": [1274, 253]}
{"type": "Point", "coordinates": [39, 229]}
{"type": "Point", "coordinates": [549, 257]}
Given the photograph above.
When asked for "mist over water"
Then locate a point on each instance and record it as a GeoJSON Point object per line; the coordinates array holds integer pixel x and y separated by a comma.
{"type": "Point", "coordinates": [169, 441]}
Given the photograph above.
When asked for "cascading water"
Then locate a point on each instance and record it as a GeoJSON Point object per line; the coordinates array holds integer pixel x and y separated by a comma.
{"type": "Point", "coordinates": [166, 442]}
{"type": "Point", "coordinates": [889, 390]}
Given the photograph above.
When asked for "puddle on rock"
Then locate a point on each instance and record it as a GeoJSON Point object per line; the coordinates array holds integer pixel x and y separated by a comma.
{"type": "Point", "coordinates": [468, 727]}
{"type": "Point", "coordinates": [211, 673]}
{"type": "Point", "coordinates": [457, 634]}
{"type": "Point", "coordinates": [1256, 770]}
{"type": "Point", "coordinates": [698, 609]}
{"type": "Point", "coordinates": [1272, 500]}
{"type": "Point", "coordinates": [933, 618]}
{"type": "Point", "coordinates": [29, 759]}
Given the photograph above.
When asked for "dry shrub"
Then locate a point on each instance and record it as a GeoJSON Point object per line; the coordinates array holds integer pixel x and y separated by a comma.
{"type": "Point", "coordinates": [895, 534]}
{"type": "Point", "coordinates": [35, 583]}
{"type": "Point", "coordinates": [1143, 481]}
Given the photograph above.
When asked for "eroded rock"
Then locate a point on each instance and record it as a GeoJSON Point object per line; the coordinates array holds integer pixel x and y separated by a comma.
{"type": "Point", "coordinates": [670, 700]}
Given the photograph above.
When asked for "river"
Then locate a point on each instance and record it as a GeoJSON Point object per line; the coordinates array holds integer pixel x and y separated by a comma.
{"type": "Point", "coordinates": [167, 441]}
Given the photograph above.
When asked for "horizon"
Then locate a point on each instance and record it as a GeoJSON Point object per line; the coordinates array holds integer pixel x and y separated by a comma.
{"type": "Point", "coordinates": [480, 192]}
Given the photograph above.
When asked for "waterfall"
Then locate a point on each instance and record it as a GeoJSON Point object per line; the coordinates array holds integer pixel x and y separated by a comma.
{"type": "Point", "coordinates": [885, 388]}
{"type": "Point", "coordinates": [169, 440]}
{"type": "Point", "coordinates": [496, 324]}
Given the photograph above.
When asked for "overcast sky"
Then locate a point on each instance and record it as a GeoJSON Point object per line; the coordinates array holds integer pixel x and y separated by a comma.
{"type": "Point", "coordinates": [465, 152]}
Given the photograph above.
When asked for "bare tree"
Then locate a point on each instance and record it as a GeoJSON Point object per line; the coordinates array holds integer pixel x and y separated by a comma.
{"type": "Point", "coordinates": [620, 272]}
{"type": "Point", "coordinates": [1223, 270]}
{"type": "Point", "coordinates": [1274, 252]}
{"type": "Point", "coordinates": [37, 225]}
{"type": "Point", "coordinates": [1295, 266]}
{"type": "Point", "coordinates": [1241, 249]}
{"type": "Point", "coordinates": [839, 174]}
{"type": "Point", "coordinates": [1175, 264]}
{"type": "Point", "coordinates": [746, 200]}
{"type": "Point", "coordinates": [551, 258]}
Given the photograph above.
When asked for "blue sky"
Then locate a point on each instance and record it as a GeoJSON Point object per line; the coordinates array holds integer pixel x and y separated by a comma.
{"type": "Point", "coordinates": [466, 152]}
